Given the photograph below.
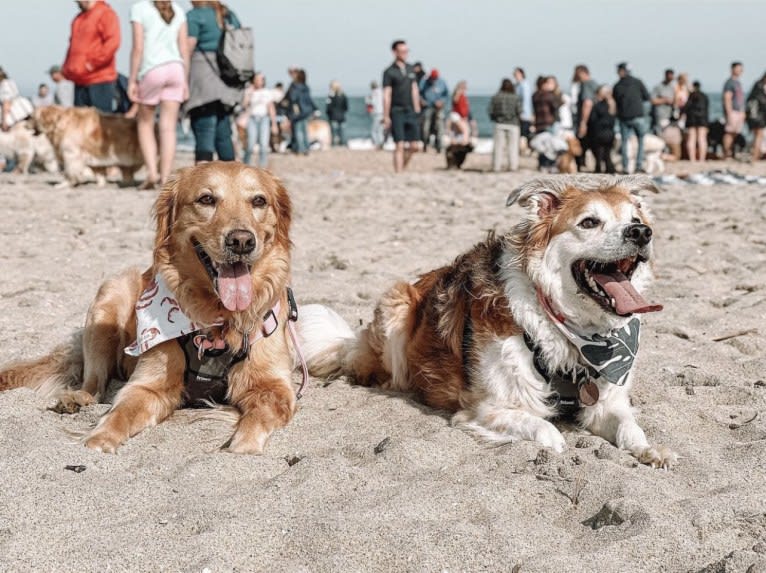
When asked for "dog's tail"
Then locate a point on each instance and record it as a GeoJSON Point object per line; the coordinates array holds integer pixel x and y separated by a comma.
{"type": "Point", "coordinates": [326, 341]}
{"type": "Point", "coordinates": [59, 369]}
{"type": "Point", "coordinates": [376, 355]}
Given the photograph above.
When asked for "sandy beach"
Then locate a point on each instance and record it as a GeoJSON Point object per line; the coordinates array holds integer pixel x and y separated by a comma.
{"type": "Point", "coordinates": [367, 481]}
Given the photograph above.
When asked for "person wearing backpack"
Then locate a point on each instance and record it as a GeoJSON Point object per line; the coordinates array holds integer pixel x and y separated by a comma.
{"type": "Point", "coordinates": [300, 107]}
{"type": "Point", "coordinates": [211, 101]}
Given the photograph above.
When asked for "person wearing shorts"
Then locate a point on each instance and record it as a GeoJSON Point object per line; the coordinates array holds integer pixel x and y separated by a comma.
{"type": "Point", "coordinates": [401, 105]}
{"type": "Point", "coordinates": [733, 108]}
{"type": "Point", "coordinates": [158, 64]}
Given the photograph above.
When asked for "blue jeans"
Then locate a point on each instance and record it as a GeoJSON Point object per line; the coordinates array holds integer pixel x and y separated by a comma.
{"type": "Point", "coordinates": [100, 96]}
{"type": "Point", "coordinates": [376, 129]}
{"type": "Point", "coordinates": [258, 129]}
{"type": "Point", "coordinates": [638, 126]}
{"type": "Point", "coordinates": [212, 134]}
{"type": "Point", "coordinates": [300, 136]}
{"type": "Point", "coordinates": [338, 137]}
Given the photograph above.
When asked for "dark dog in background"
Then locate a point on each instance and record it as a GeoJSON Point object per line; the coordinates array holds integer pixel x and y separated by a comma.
{"type": "Point", "coordinates": [715, 140]}
{"type": "Point", "coordinates": [456, 154]}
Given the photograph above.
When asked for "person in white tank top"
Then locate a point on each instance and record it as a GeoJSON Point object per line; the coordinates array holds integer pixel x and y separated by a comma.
{"type": "Point", "coordinates": [262, 121]}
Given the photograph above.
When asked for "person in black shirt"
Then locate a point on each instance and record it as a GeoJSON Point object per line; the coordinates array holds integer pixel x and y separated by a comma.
{"type": "Point", "coordinates": [696, 113]}
{"type": "Point", "coordinates": [401, 105]}
{"type": "Point", "coordinates": [630, 94]}
{"type": "Point", "coordinates": [601, 128]}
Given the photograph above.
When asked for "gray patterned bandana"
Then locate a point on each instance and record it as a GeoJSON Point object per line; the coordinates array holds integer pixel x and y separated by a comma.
{"type": "Point", "coordinates": [611, 356]}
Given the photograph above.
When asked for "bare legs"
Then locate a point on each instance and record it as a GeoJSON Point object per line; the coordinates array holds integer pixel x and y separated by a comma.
{"type": "Point", "coordinates": [168, 121]}
{"type": "Point", "coordinates": [757, 141]}
{"type": "Point", "coordinates": [148, 141]}
{"type": "Point", "coordinates": [696, 143]}
{"type": "Point", "coordinates": [403, 155]}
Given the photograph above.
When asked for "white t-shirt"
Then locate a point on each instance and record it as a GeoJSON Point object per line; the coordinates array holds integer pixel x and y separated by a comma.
{"type": "Point", "coordinates": [160, 38]}
{"type": "Point", "coordinates": [259, 102]}
{"type": "Point", "coordinates": [21, 107]}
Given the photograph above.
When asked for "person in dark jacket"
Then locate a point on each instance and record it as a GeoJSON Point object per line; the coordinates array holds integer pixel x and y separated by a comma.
{"type": "Point", "coordinates": [337, 106]}
{"type": "Point", "coordinates": [601, 128]}
{"type": "Point", "coordinates": [505, 111]}
{"type": "Point", "coordinates": [546, 105]}
{"type": "Point", "coordinates": [695, 112]}
{"type": "Point", "coordinates": [755, 109]}
{"type": "Point", "coordinates": [630, 94]}
{"type": "Point", "coordinates": [300, 108]}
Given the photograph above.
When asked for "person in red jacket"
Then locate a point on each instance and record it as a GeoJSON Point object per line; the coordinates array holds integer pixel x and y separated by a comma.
{"type": "Point", "coordinates": [90, 62]}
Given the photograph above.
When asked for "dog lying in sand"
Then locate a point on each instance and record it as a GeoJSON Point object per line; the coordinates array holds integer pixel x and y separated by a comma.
{"type": "Point", "coordinates": [541, 322]}
{"type": "Point", "coordinates": [21, 143]}
{"type": "Point", "coordinates": [207, 321]}
{"type": "Point", "coordinates": [87, 142]}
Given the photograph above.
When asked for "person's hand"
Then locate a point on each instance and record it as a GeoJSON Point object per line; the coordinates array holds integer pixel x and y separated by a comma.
{"type": "Point", "coordinates": [438, 104]}
{"type": "Point", "coordinates": [89, 67]}
{"type": "Point", "coordinates": [5, 127]}
{"type": "Point", "coordinates": [386, 122]}
{"type": "Point", "coordinates": [274, 128]}
{"type": "Point", "coordinates": [583, 129]}
{"type": "Point", "coordinates": [133, 90]}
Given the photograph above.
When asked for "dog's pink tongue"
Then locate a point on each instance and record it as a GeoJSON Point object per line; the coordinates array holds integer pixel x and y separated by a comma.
{"type": "Point", "coordinates": [235, 287]}
{"type": "Point", "coordinates": [627, 300]}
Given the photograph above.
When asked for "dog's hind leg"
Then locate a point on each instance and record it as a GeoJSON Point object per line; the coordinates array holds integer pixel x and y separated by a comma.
{"type": "Point", "coordinates": [499, 424]}
{"type": "Point", "coordinates": [109, 328]}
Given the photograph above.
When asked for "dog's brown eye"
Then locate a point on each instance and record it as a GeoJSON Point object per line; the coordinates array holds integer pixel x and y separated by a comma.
{"type": "Point", "coordinates": [259, 201]}
{"type": "Point", "coordinates": [589, 223]}
{"type": "Point", "coordinates": [206, 199]}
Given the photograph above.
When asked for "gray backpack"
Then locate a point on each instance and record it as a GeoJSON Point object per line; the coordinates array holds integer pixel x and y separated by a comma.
{"type": "Point", "coordinates": [235, 56]}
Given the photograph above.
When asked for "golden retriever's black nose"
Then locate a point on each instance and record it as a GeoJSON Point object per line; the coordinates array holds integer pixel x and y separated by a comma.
{"type": "Point", "coordinates": [240, 242]}
{"type": "Point", "coordinates": [638, 234]}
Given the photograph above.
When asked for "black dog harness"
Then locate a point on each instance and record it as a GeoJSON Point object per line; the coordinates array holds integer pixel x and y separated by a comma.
{"type": "Point", "coordinates": [571, 390]}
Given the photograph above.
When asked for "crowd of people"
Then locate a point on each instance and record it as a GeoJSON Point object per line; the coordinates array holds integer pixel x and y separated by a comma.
{"type": "Point", "coordinates": [174, 70]}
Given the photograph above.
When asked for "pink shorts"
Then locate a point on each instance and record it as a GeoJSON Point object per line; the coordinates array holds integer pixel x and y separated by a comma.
{"type": "Point", "coordinates": [163, 83]}
{"type": "Point", "coordinates": [735, 122]}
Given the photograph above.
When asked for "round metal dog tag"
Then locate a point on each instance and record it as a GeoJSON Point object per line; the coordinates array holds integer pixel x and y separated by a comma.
{"type": "Point", "coordinates": [588, 393]}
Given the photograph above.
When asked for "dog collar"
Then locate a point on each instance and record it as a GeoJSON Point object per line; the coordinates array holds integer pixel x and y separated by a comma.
{"type": "Point", "coordinates": [609, 356]}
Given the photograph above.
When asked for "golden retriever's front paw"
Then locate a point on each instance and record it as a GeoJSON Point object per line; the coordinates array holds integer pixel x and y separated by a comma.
{"type": "Point", "coordinates": [101, 441]}
{"type": "Point", "coordinates": [252, 442]}
{"type": "Point", "coordinates": [658, 457]}
{"type": "Point", "coordinates": [71, 402]}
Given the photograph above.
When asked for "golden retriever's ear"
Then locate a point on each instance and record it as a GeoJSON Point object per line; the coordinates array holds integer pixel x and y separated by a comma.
{"type": "Point", "coordinates": [165, 214]}
{"type": "Point", "coordinates": [283, 208]}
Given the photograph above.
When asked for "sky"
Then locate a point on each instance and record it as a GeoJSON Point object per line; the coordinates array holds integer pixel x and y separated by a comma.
{"type": "Point", "coordinates": [479, 41]}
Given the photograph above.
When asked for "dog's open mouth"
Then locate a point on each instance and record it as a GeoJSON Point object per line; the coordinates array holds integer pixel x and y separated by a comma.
{"type": "Point", "coordinates": [608, 283]}
{"type": "Point", "coordinates": [234, 285]}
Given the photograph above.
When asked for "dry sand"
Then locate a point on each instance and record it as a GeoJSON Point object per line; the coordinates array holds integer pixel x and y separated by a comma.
{"type": "Point", "coordinates": [430, 498]}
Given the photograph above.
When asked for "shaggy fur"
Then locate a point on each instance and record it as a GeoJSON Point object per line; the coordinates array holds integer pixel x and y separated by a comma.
{"type": "Point", "coordinates": [259, 387]}
{"type": "Point", "coordinates": [21, 143]}
{"type": "Point", "coordinates": [87, 142]}
{"type": "Point", "coordinates": [454, 338]}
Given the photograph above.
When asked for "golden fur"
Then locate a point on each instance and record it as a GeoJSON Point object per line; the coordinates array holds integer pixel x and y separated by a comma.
{"type": "Point", "coordinates": [86, 141]}
{"type": "Point", "coordinates": [259, 387]}
{"type": "Point", "coordinates": [566, 162]}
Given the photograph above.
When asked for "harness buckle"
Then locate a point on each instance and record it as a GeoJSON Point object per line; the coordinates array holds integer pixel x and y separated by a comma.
{"type": "Point", "coordinates": [292, 312]}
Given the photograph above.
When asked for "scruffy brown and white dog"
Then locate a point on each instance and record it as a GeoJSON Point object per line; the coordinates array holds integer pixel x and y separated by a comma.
{"type": "Point", "coordinates": [537, 323]}
{"type": "Point", "coordinates": [205, 322]}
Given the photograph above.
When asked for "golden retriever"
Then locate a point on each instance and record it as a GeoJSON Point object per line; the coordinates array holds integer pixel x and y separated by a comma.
{"type": "Point", "coordinates": [87, 142]}
{"type": "Point", "coordinates": [222, 254]}
{"type": "Point", "coordinates": [541, 322]}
